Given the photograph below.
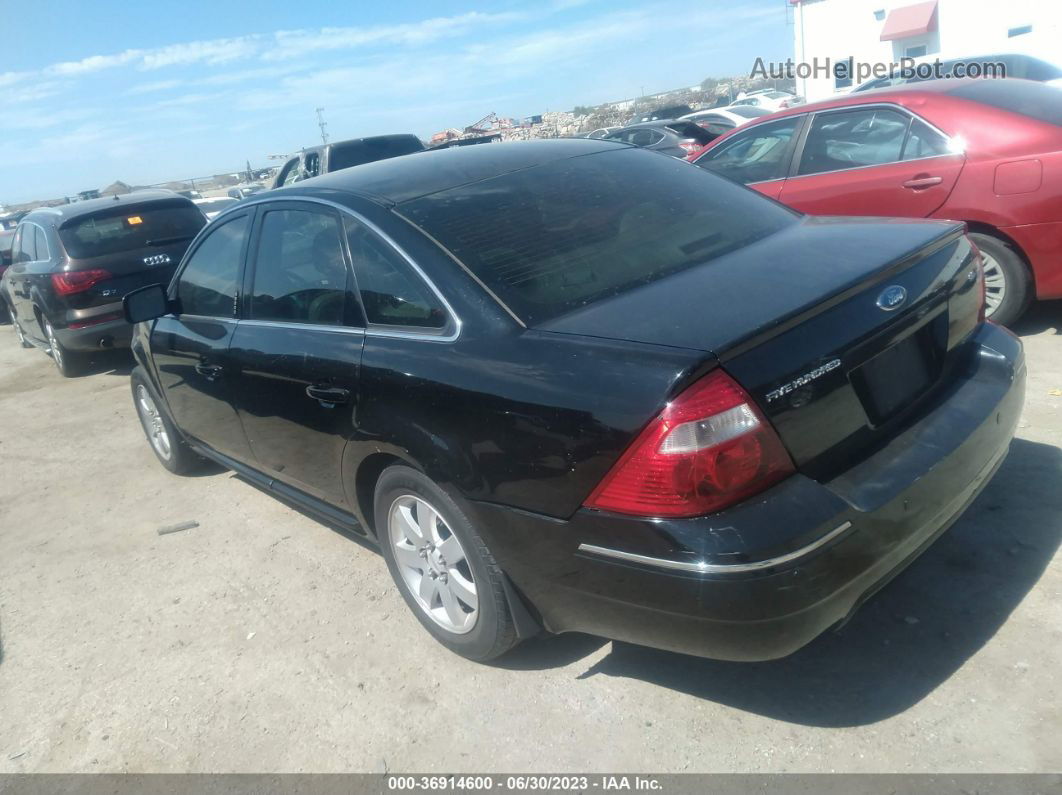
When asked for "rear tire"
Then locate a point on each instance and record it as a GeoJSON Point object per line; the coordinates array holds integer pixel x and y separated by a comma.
{"type": "Point", "coordinates": [165, 440]}
{"type": "Point", "coordinates": [1008, 285]}
{"type": "Point", "coordinates": [442, 566]}
{"type": "Point", "coordinates": [68, 364]}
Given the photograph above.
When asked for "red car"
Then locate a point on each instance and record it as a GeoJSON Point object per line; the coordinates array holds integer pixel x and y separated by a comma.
{"type": "Point", "coordinates": [987, 152]}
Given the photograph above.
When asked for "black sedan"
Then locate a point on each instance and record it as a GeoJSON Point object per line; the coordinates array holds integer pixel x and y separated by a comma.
{"type": "Point", "coordinates": [574, 386]}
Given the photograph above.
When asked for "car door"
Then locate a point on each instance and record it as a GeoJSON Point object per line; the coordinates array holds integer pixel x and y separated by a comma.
{"type": "Point", "coordinates": [759, 156]}
{"type": "Point", "coordinates": [190, 348]}
{"type": "Point", "coordinates": [875, 160]}
{"type": "Point", "coordinates": [25, 275]}
{"type": "Point", "coordinates": [298, 344]}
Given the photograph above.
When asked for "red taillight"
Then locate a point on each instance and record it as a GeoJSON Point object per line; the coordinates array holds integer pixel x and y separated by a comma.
{"type": "Point", "coordinates": [708, 449]}
{"type": "Point", "coordinates": [690, 145]}
{"type": "Point", "coordinates": [70, 282]}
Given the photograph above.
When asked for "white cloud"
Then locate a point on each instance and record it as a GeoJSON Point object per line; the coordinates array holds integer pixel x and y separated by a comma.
{"type": "Point", "coordinates": [93, 63]}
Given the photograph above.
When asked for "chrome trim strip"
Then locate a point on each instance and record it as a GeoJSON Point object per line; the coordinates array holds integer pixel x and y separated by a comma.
{"type": "Point", "coordinates": [307, 326]}
{"type": "Point", "coordinates": [426, 335]}
{"type": "Point", "coordinates": [701, 567]}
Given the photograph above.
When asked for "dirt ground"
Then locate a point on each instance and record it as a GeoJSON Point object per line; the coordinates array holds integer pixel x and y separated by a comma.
{"type": "Point", "coordinates": [265, 641]}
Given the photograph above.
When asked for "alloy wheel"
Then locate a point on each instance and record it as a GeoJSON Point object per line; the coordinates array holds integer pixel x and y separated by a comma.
{"type": "Point", "coordinates": [53, 345]}
{"type": "Point", "coordinates": [153, 424]}
{"type": "Point", "coordinates": [995, 283]}
{"type": "Point", "coordinates": [433, 564]}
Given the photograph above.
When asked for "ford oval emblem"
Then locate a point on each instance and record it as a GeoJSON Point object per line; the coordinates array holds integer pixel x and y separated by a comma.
{"type": "Point", "coordinates": [892, 298]}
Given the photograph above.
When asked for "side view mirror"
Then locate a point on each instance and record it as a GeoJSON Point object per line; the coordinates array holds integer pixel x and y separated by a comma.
{"type": "Point", "coordinates": [146, 303]}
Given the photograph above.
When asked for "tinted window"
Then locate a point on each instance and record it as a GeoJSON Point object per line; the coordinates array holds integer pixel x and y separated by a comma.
{"type": "Point", "coordinates": [715, 125]}
{"type": "Point", "coordinates": [853, 139]}
{"type": "Point", "coordinates": [41, 243]}
{"type": "Point", "coordinates": [311, 165]}
{"type": "Point", "coordinates": [392, 293]}
{"type": "Point", "coordinates": [27, 247]}
{"type": "Point", "coordinates": [207, 285]}
{"type": "Point", "coordinates": [370, 149]}
{"type": "Point", "coordinates": [6, 241]}
{"type": "Point", "coordinates": [924, 141]}
{"type": "Point", "coordinates": [559, 236]}
{"type": "Point", "coordinates": [1035, 100]}
{"type": "Point", "coordinates": [129, 227]}
{"type": "Point", "coordinates": [756, 155]}
{"type": "Point", "coordinates": [300, 274]}
{"type": "Point", "coordinates": [687, 129]}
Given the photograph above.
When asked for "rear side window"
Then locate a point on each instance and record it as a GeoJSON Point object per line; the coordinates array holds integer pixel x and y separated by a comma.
{"type": "Point", "coordinates": [755, 155]}
{"type": "Point", "coordinates": [391, 292]}
{"type": "Point", "coordinates": [924, 141]}
{"type": "Point", "coordinates": [26, 247]}
{"type": "Point", "coordinates": [300, 273]}
{"type": "Point", "coordinates": [557, 237]}
{"type": "Point", "coordinates": [1035, 100]}
{"type": "Point", "coordinates": [853, 139]}
{"type": "Point", "coordinates": [207, 284]}
{"type": "Point", "coordinates": [41, 243]}
{"type": "Point", "coordinates": [371, 149]}
{"type": "Point", "coordinates": [130, 227]}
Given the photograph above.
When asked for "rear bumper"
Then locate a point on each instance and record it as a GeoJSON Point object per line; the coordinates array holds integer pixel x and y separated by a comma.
{"type": "Point", "coordinates": [1042, 245]}
{"type": "Point", "coordinates": [115, 333]}
{"type": "Point", "coordinates": [764, 578]}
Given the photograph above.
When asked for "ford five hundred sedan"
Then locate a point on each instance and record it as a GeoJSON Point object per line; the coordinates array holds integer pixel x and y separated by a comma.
{"type": "Point", "coordinates": [580, 386]}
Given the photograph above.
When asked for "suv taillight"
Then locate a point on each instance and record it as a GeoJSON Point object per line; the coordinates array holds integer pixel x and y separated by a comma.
{"type": "Point", "coordinates": [70, 282]}
{"type": "Point", "coordinates": [709, 448]}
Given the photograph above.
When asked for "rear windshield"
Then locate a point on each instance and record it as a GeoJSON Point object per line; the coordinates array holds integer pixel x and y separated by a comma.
{"type": "Point", "coordinates": [130, 227]}
{"type": "Point", "coordinates": [1035, 100]}
{"type": "Point", "coordinates": [371, 149]}
{"type": "Point", "coordinates": [560, 236]}
{"type": "Point", "coordinates": [687, 129]}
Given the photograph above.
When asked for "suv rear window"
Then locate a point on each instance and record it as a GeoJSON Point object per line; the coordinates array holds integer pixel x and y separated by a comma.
{"type": "Point", "coordinates": [369, 150]}
{"type": "Point", "coordinates": [551, 239]}
{"type": "Point", "coordinates": [1036, 100]}
{"type": "Point", "coordinates": [128, 227]}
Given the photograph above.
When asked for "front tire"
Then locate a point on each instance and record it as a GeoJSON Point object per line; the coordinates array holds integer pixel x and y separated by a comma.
{"type": "Point", "coordinates": [166, 442]}
{"type": "Point", "coordinates": [1008, 286]}
{"type": "Point", "coordinates": [442, 566]}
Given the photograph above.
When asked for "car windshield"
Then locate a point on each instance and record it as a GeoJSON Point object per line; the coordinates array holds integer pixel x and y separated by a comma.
{"type": "Point", "coordinates": [557, 237]}
{"type": "Point", "coordinates": [748, 111]}
{"type": "Point", "coordinates": [355, 153]}
{"type": "Point", "coordinates": [129, 227]}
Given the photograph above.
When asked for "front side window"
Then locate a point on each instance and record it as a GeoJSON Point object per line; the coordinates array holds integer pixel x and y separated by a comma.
{"type": "Point", "coordinates": [560, 236]}
{"type": "Point", "coordinates": [391, 292]}
{"type": "Point", "coordinates": [207, 284]}
{"type": "Point", "coordinates": [757, 155]}
{"type": "Point", "coordinates": [853, 139]}
{"type": "Point", "coordinates": [300, 273]}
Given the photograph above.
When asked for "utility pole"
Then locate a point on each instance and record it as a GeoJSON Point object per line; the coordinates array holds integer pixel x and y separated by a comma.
{"type": "Point", "coordinates": [322, 124]}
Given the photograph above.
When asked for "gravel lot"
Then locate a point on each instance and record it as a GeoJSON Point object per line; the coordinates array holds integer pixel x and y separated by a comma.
{"type": "Point", "coordinates": [265, 641]}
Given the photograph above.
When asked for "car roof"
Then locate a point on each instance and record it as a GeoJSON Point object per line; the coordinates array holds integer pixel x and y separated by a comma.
{"type": "Point", "coordinates": [64, 212]}
{"type": "Point", "coordinates": [399, 179]}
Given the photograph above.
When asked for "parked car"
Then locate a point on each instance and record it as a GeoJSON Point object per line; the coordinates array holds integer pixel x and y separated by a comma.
{"type": "Point", "coordinates": [325, 159]}
{"type": "Point", "coordinates": [987, 152]}
{"type": "Point", "coordinates": [73, 264]}
{"type": "Point", "coordinates": [190, 194]}
{"type": "Point", "coordinates": [769, 99]}
{"type": "Point", "coordinates": [602, 132]}
{"type": "Point", "coordinates": [1025, 67]}
{"type": "Point", "coordinates": [577, 386]}
{"type": "Point", "coordinates": [210, 207]}
{"type": "Point", "coordinates": [668, 112]}
{"type": "Point", "coordinates": [6, 238]}
{"type": "Point", "coordinates": [243, 191]}
{"type": "Point", "coordinates": [718, 121]}
{"type": "Point", "coordinates": [670, 136]}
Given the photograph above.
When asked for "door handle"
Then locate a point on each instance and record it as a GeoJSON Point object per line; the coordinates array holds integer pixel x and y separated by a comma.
{"type": "Point", "coordinates": [211, 371]}
{"type": "Point", "coordinates": [328, 396]}
{"type": "Point", "coordinates": [919, 183]}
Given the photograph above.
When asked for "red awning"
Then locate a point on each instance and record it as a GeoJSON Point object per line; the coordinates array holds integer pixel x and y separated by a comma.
{"type": "Point", "coordinates": [909, 21]}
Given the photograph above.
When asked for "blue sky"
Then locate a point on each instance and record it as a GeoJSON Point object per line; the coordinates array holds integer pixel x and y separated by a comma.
{"type": "Point", "coordinates": [146, 91]}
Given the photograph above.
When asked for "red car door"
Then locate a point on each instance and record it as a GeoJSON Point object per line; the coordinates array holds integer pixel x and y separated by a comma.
{"type": "Point", "coordinates": [872, 161]}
